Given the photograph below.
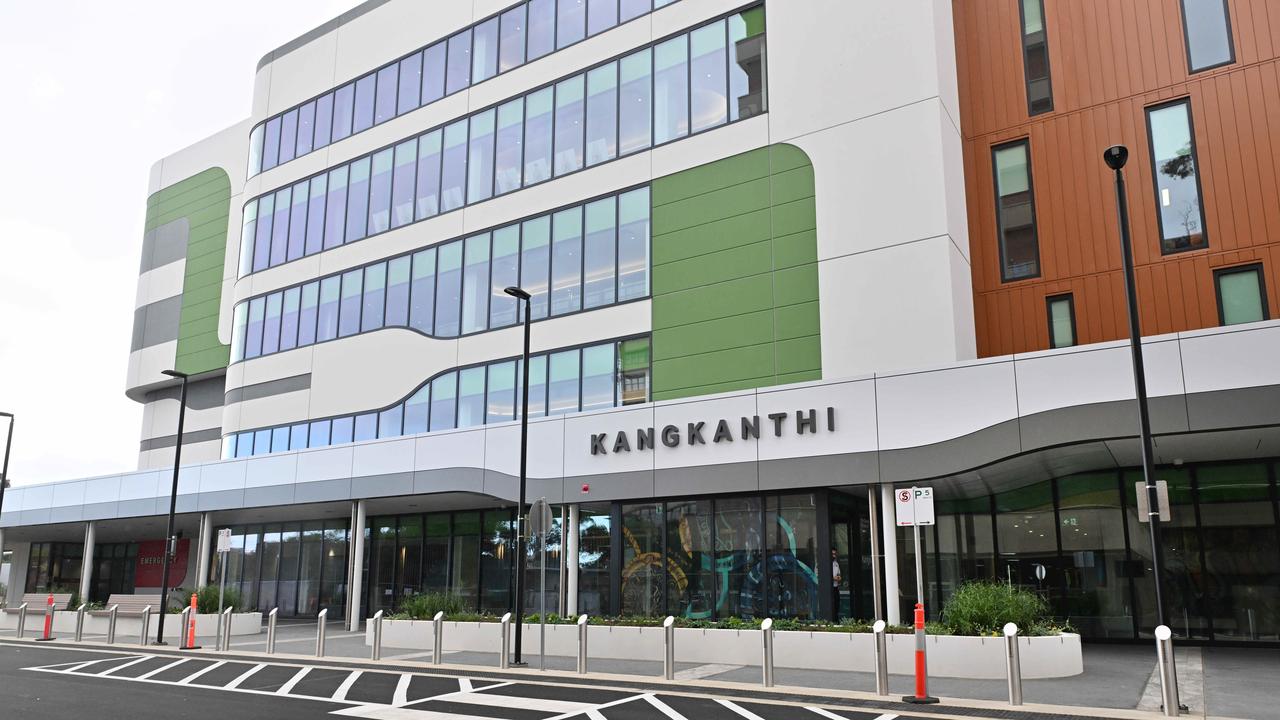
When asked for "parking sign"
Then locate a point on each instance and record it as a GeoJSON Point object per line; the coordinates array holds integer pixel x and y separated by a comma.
{"type": "Point", "coordinates": [914, 506]}
{"type": "Point", "coordinates": [224, 540]}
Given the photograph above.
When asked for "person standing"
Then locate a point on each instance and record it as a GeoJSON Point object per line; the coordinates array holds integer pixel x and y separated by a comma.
{"type": "Point", "coordinates": [836, 579]}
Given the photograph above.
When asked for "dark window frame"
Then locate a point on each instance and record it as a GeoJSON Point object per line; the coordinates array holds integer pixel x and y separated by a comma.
{"type": "Point", "coordinates": [1048, 68]}
{"type": "Point", "coordinates": [1186, 40]}
{"type": "Point", "coordinates": [1025, 142]}
{"type": "Point", "coordinates": [1155, 172]}
{"type": "Point", "coordinates": [1049, 300]}
{"type": "Point", "coordinates": [1254, 267]}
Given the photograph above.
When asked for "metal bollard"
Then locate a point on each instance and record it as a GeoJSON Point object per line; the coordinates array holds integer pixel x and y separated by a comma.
{"type": "Point", "coordinates": [582, 644]}
{"type": "Point", "coordinates": [503, 660]}
{"type": "Point", "coordinates": [437, 627]}
{"type": "Point", "coordinates": [882, 658]}
{"type": "Point", "coordinates": [271, 631]}
{"type": "Point", "coordinates": [766, 630]}
{"type": "Point", "coordinates": [321, 620]}
{"type": "Point", "coordinates": [669, 640]}
{"type": "Point", "coordinates": [1168, 672]}
{"type": "Point", "coordinates": [146, 625]}
{"type": "Point", "coordinates": [80, 622]}
{"type": "Point", "coordinates": [1013, 663]}
{"type": "Point", "coordinates": [376, 652]}
{"type": "Point", "coordinates": [111, 624]}
{"type": "Point", "coordinates": [224, 630]}
{"type": "Point", "coordinates": [183, 616]}
{"type": "Point", "coordinates": [22, 619]}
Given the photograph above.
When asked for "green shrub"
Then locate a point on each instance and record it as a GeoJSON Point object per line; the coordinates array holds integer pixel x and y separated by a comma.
{"type": "Point", "coordinates": [207, 600]}
{"type": "Point", "coordinates": [983, 608]}
{"type": "Point", "coordinates": [424, 606]}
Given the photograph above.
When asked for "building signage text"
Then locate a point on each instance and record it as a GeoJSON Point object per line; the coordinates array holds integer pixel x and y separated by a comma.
{"type": "Point", "coordinates": [700, 433]}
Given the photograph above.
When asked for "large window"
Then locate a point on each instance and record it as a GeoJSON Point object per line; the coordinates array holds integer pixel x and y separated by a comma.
{"type": "Point", "coordinates": [456, 288]}
{"type": "Point", "coordinates": [1016, 212]}
{"type": "Point", "coordinates": [1207, 25]}
{"type": "Point", "coordinates": [1177, 181]}
{"type": "Point", "coordinates": [1035, 57]}
{"type": "Point", "coordinates": [1062, 320]}
{"type": "Point", "coordinates": [688, 84]}
{"type": "Point", "coordinates": [472, 55]}
{"type": "Point", "coordinates": [297, 567]}
{"type": "Point", "coordinates": [1242, 295]}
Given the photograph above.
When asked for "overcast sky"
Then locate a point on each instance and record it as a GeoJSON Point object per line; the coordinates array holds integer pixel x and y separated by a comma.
{"type": "Point", "coordinates": [94, 93]}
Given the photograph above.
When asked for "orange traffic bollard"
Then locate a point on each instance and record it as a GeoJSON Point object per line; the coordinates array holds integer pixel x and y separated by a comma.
{"type": "Point", "coordinates": [922, 672]}
{"type": "Point", "coordinates": [48, 620]}
{"type": "Point", "coordinates": [191, 625]}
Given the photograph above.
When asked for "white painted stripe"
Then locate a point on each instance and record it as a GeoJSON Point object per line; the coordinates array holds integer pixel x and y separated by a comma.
{"type": "Point", "coordinates": [287, 688]}
{"type": "Point", "coordinates": [597, 709]}
{"type": "Point", "coordinates": [401, 695]}
{"type": "Point", "coordinates": [832, 716]}
{"type": "Point", "coordinates": [188, 680]}
{"type": "Point", "coordinates": [79, 666]}
{"type": "Point", "coordinates": [517, 702]}
{"type": "Point", "coordinates": [159, 670]}
{"type": "Point", "coordinates": [464, 685]}
{"type": "Point", "coordinates": [663, 708]}
{"type": "Point", "coordinates": [886, 716]}
{"type": "Point", "coordinates": [341, 693]}
{"type": "Point", "coordinates": [123, 666]}
{"type": "Point", "coordinates": [739, 709]}
{"type": "Point", "coordinates": [244, 676]}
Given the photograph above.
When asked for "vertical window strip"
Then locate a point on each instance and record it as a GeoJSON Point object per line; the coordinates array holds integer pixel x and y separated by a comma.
{"type": "Point", "coordinates": [1015, 211]}
{"type": "Point", "coordinates": [1035, 57]}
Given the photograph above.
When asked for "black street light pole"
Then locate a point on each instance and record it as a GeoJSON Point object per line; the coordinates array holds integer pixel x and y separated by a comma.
{"type": "Point", "coordinates": [521, 295]}
{"type": "Point", "coordinates": [1115, 157]}
{"type": "Point", "coordinates": [169, 542]}
{"type": "Point", "coordinates": [4, 473]}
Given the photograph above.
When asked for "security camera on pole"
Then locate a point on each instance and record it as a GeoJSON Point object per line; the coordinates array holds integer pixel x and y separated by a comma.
{"type": "Point", "coordinates": [915, 508]}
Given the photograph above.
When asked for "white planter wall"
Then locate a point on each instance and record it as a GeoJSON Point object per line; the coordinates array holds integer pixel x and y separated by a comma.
{"type": "Point", "coordinates": [128, 628]}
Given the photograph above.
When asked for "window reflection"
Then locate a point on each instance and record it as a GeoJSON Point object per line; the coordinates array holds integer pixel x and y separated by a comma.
{"type": "Point", "coordinates": [1177, 185]}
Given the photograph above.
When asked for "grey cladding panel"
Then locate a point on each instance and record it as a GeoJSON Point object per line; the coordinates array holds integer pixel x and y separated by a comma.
{"type": "Point", "coordinates": [156, 323]}
{"type": "Point", "coordinates": [201, 394]}
{"type": "Point", "coordinates": [290, 384]}
{"type": "Point", "coordinates": [165, 244]}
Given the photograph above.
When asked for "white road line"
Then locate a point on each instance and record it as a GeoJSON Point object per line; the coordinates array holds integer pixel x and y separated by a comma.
{"type": "Point", "coordinates": [190, 678]}
{"type": "Point", "coordinates": [386, 712]}
{"type": "Point", "coordinates": [123, 666]}
{"type": "Point", "coordinates": [341, 693]}
{"type": "Point", "coordinates": [517, 702]}
{"type": "Point", "coordinates": [662, 707]}
{"type": "Point", "coordinates": [161, 669]}
{"type": "Point", "coordinates": [244, 676]}
{"type": "Point", "coordinates": [739, 709]}
{"type": "Point", "coordinates": [596, 709]}
{"type": "Point", "coordinates": [79, 666]}
{"type": "Point", "coordinates": [287, 688]}
{"type": "Point", "coordinates": [886, 716]}
{"type": "Point", "coordinates": [401, 695]}
{"type": "Point", "coordinates": [832, 716]}
{"type": "Point", "coordinates": [464, 685]}
{"type": "Point", "coordinates": [467, 691]}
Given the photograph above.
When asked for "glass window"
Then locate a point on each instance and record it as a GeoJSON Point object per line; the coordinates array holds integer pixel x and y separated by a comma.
{"type": "Point", "coordinates": [390, 421]}
{"type": "Point", "coordinates": [537, 136]}
{"type": "Point", "coordinates": [1035, 57]}
{"type": "Point", "coordinates": [597, 377]}
{"type": "Point", "coordinates": [562, 396]}
{"type": "Point", "coordinates": [255, 149]}
{"type": "Point", "coordinates": [569, 127]}
{"type": "Point", "coordinates": [423, 292]}
{"type": "Point", "coordinates": [262, 442]}
{"type": "Point", "coordinates": [484, 56]}
{"type": "Point", "coordinates": [642, 576]}
{"type": "Point", "coordinates": [330, 293]}
{"type": "Point", "coordinates": [537, 385]}
{"type": "Point", "coordinates": [505, 274]}
{"type": "Point", "coordinates": [1207, 24]}
{"type": "Point", "coordinates": [433, 61]}
{"type": "Point", "coordinates": [671, 90]}
{"type": "Point", "coordinates": [280, 227]}
{"type": "Point", "coordinates": [324, 121]}
{"type": "Point", "coordinates": [471, 404]}
{"type": "Point", "coordinates": [398, 291]}
{"type": "Point", "coordinates": [380, 192]}
{"type": "Point", "coordinates": [444, 391]}
{"type": "Point", "coordinates": [1184, 581]}
{"type": "Point", "coordinates": [511, 53]}
{"type": "Point", "coordinates": [791, 528]}
{"type": "Point", "coordinates": [501, 392]}
{"type": "Point", "coordinates": [343, 103]}
{"type": "Point", "coordinates": [594, 558]}
{"type": "Point", "coordinates": [542, 28]}
{"type": "Point", "coordinates": [634, 128]}
{"type": "Point", "coordinates": [416, 411]}
{"type": "Point", "coordinates": [244, 445]}
{"type": "Point", "coordinates": [475, 284]}
{"type": "Point", "coordinates": [601, 15]}
{"type": "Point", "coordinates": [633, 244]}
{"type": "Point", "coordinates": [1025, 531]}
{"type": "Point", "coordinates": [633, 371]}
{"type": "Point", "coordinates": [508, 155]}
{"type": "Point", "coordinates": [453, 181]}
{"type": "Point", "coordinates": [1093, 549]}
{"type": "Point", "coordinates": [1240, 542]}
{"type": "Point", "coordinates": [496, 554]}
{"type": "Point", "coordinates": [280, 439]}
{"type": "Point", "coordinates": [1062, 321]}
{"type": "Point", "coordinates": [602, 114]}
{"type": "Point", "coordinates": [288, 135]}
{"type": "Point", "coordinates": [375, 297]}
{"type": "Point", "coordinates": [388, 84]}
{"type": "Point", "coordinates": [428, 185]}
{"type": "Point", "coordinates": [239, 319]}
{"type": "Point", "coordinates": [402, 183]}
{"type": "Point", "coordinates": [1015, 213]}
{"type": "Point", "coordinates": [1173, 154]}
{"type": "Point", "coordinates": [335, 219]}
{"type": "Point", "coordinates": [409, 94]}
{"type": "Point", "coordinates": [248, 226]}
{"type": "Point", "coordinates": [315, 215]}
{"type": "Point", "coordinates": [340, 431]}
{"type": "Point", "coordinates": [1242, 295]}
{"type": "Point", "coordinates": [739, 550]}
{"type": "Point", "coordinates": [632, 9]}
{"type": "Point", "coordinates": [308, 309]}
{"type": "Point", "coordinates": [708, 68]}
{"type": "Point", "coordinates": [535, 264]}
{"type": "Point", "coordinates": [262, 238]}
{"type": "Point", "coordinates": [358, 200]}
{"type": "Point", "coordinates": [319, 434]}
{"type": "Point", "coordinates": [253, 329]}
{"type": "Point", "coordinates": [566, 262]}
{"type": "Point", "coordinates": [747, 93]}
{"type": "Point", "coordinates": [349, 312]}
{"type": "Point", "coordinates": [458, 71]}
{"type": "Point", "coordinates": [480, 158]}
{"type": "Point", "coordinates": [271, 144]}
{"type": "Point", "coordinates": [306, 128]}
{"type": "Point", "coordinates": [598, 255]}
{"type": "Point", "coordinates": [366, 87]}
{"type": "Point", "coordinates": [289, 319]}
{"type": "Point", "coordinates": [571, 18]}
{"type": "Point", "coordinates": [366, 427]}
{"type": "Point", "coordinates": [449, 290]}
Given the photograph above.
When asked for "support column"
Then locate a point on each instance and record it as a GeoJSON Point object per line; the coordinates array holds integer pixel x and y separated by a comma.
{"type": "Point", "coordinates": [86, 563]}
{"type": "Point", "coordinates": [357, 568]}
{"type": "Point", "coordinates": [12, 572]}
{"type": "Point", "coordinates": [889, 533]}
{"type": "Point", "coordinates": [571, 563]}
{"type": "Point", "coordinates": [206, 550]}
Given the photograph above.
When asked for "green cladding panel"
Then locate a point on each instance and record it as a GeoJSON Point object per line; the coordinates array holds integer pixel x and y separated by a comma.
{"type": "Point", "coordinates": [735, 275]}
{"type": "Point", "coordinates": [204, 200]}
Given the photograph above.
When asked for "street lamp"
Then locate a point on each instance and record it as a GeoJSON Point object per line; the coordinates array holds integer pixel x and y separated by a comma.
{"type": "Point", "coordinates": [169, 544]}
{"type": "Point", "coordinates": [1115, 157]}
{"type": "Point", "coordinates": [522, 296]}
{"type": "Point", "coordinates": [4, 475]}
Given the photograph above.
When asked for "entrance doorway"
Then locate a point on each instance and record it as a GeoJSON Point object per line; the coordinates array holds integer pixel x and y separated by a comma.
{"type": "Point", "coordinates": [851, 540]}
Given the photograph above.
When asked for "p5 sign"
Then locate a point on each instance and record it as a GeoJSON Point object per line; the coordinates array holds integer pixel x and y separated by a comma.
{"type": "Point", "coordinates": [914, 506]}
